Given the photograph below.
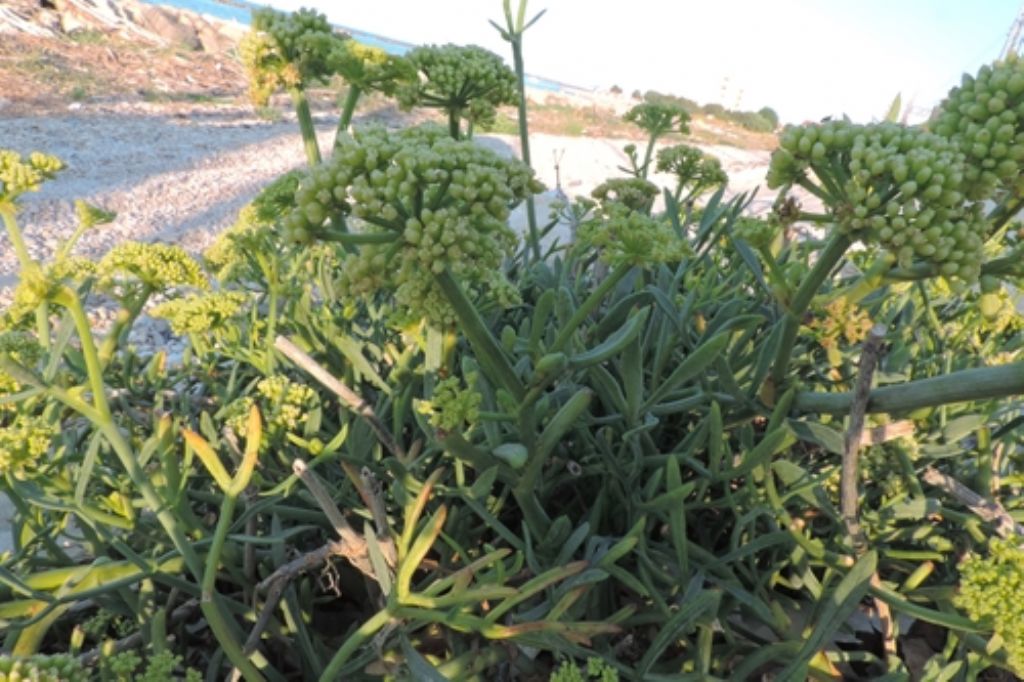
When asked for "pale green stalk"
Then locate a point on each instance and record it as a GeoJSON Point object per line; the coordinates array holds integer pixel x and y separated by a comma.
{"type": "Point", "coordinates": [589, 305]}
{"type": "Point", "coordinates": [348, 108]}
{"type": "Point", "coordinates": [125, 318]}
{"type": "Point", "coordinates": [208, 603]}
{"type": "Point", "coordinates": [983, 383]}
{"type": "Point", "coordinates": [21, 250]}
{"type": "Point", "coordinates": [103, 420]}
{"type": "Point", "coordinates": [827, 260]}
{"type": "Point", "coordinates": [513, 33]}
{"type": "Point", "coordinates": [305, 118]}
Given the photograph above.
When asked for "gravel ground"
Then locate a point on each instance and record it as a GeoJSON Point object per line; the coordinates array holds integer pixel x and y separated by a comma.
{"type": "Point", "coordinates": [177, 178]}
{"type": "Point", "coordinates": [181, 177]}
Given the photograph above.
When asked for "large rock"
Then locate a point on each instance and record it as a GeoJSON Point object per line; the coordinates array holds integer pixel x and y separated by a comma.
{"type": "Point", "coordinates": [153, 23]}
{"type": "Point", "coordinates": [171, 26]}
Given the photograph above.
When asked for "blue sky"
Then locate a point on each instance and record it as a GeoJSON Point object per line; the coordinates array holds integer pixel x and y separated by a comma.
{"type": "Point", "coordinates": [805, 58]}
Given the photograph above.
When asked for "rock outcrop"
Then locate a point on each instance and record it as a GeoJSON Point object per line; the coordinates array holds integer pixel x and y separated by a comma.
{"type": "Point", "coordinates": [157, 24]}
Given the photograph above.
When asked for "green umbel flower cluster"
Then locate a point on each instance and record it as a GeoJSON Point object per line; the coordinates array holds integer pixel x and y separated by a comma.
{"type": "Point", "coordinates": [21, 348]}
{"type": "Point", "coordinates": [990, 590]}
{"type": "Point", "coordinates": [286, 50]}
{"type": "Point", "coordinates": [19, 175]}
{"type": "Point", "coordinates": [467, 80]}
{"type": "Point", "coordinates": [201, 313]}
{"type": "Point", "coordinates": [454, 406]}
{"type": "Point", "coordinates": [635, 194]}
{"type": "Point", "coordinates": [24, 442]}
{"type": "Point", "coordinates": [284, 404]}
{"type": "Point", "coordinates": [900, 187]}
{"type": "Point", "coordinates": [658, 118]}
{"type": "Point", "coordinates": [984, 116]}
{"type": "Point", "coordinates": [158, 266]}
{"type": "Point", "coordinates": [694, 170]}
{"type": "Point", "coordinates": [230, 256]}
{"type": "Point", "coordinates": [625, 237]}
{"type": "Point", "coordinates": [39, 284]}
{"type": "Point", "coordinates": [370, 68]}
{"type": "Point", "coordinates": [429, 203]}
{"type": "Point", "coordinates": [41, 669]}
{"type": "Point", "coordinates": [758, 232]}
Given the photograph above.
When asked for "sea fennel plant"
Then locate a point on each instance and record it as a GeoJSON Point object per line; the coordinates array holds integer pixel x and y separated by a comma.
{"type": "Point", "coordinates": [456, 462]}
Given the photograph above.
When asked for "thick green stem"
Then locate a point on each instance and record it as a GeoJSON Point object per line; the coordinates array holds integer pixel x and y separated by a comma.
{"type": "Point", "coordinates": [43, 325]}
{"type": "Point", "coordinates": [348, 108]}
{"type": "Point", "coordinates": [645, 167]}
{"type": "Point", "coordinates": [42, 312]}
{"type": "Point", "coordinates": [454, 114]}
{"type": "Point", "coordinates": [306, 125]}
{"type": "Point", "coordinates": [14, 232]}
{"type": "Point", "coordinates": [488, 351]}
{"type": "Point", "coordinates": [983, 383]}
{"type": "Point", "coordinates": [830, 256]}
{"type": "Point", "coordinates": [125, 318]}
{"type": "Point", "coordinates": [524, 140]}
{"type": "Point", "coordinates": [1004, 213]}
{"type": "Point", "coordinates": [93, 367]}
{"type": "Point", "coordinates": [368, 629]}
{"type": "Point", "coordinates": [588, 306]}
{"type": "Point", "coordinates": [208, 604]}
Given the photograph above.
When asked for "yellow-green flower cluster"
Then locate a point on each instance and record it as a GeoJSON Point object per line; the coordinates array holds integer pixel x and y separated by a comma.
{"type": "Point", "coordinates": [897, 186]}
{"type": "Point", "coordinates": [693, 169]}
{"type": "Point", "coordinates": [370, 68]}
{"type": "Point", "coordinates": [284, 404]}
{"type": "Point", "coordinates": [200, 313]}
{"type": "Point", "coordinates": [21, 348]}
{"type": "Point", "coordinates": [625, 237]}
{"type": "Point", "coordinates": [468, 80]}
{"type": "Point", "coordinates": [286, 50]}
{"type": "Point", "coordinates": [658, 118]}
{"type": "Point", "coordinates": [634, 193]}
{"type": "Point", "coordinates": [230, 257]}
{"type": "Point", "coordinates": [19, 175]}
{"type": "Point", "coordinates": [225, 258]}
{"type": "Point", "coordinates": [24, 442]}
{"type": "Point", "coordinates": [758, 232]}
{"type": "Point", "coordinates": [39, 284]}
{"type": "Point", "coordinates": [58, 668]}
{"type": "Point", "coordinates": [158, 266]}
{"type": "Point", "coordinates": [431, 202]}
{"type": "Point", "coordinates": [454, 407]}
{"type": "Point", "coordinates": [990, 589]}
{"type": "Point", "coordinates": [840, 320]}
{"type": "Point", "coordinates": [90, 216]}
{"type": "Point", "coordinates": [265, 68]}
{"type": "Point", "coordinates": [984, 116]}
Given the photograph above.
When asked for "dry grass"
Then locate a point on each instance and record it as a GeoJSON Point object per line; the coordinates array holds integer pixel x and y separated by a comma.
{"type": "Point", "coordinates": [43, 75]}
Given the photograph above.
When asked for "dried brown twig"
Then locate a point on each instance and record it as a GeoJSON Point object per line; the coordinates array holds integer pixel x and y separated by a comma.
{"type": "Point", "coordinates": [353, 400]}
{"type": "Point", "coordinates": [987, 510]}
